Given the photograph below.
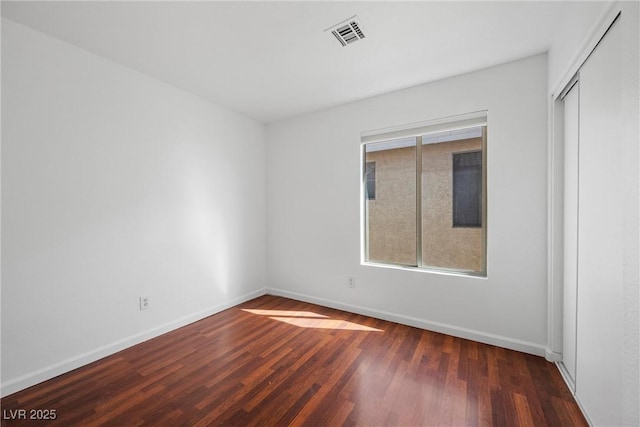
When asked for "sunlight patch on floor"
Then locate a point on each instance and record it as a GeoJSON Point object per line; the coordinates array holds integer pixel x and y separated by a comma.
{"type": "Point", "coordinates": [308, 319]}
{"type": "Point", "coordinates": [288, 313]}
{"type": "Point", "coordinates": [305, 322]}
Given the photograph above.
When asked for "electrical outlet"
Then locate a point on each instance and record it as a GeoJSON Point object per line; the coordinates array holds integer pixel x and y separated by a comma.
{"type": "Point", "coordinates": [145, 303]}
{"type": "Point", "coordinates": [351, 282]}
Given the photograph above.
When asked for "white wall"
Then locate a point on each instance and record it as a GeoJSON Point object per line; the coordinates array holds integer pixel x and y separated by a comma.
{"type": "Point", "coordinates": [114, 186]}
{"type": "Point", "coordinates": [313, 222]}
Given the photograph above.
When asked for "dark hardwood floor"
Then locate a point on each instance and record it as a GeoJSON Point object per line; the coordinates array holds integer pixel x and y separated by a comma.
{"type": "Point", "coordinates": [277, 362]}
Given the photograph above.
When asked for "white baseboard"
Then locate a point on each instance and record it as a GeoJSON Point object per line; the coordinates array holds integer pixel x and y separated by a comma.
{"type": "Point", "coordinates": [456, 331]}
{"type": "Point", "coordinates": [36, 377]}
{"type": "Point", "coordinates": [46, 373]}
{"type": "Point", "coordinates": [552, 356]}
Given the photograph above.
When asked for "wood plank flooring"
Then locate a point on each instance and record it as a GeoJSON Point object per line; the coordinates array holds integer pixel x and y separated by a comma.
{"type": "Point", "coordinates": [276, 362]}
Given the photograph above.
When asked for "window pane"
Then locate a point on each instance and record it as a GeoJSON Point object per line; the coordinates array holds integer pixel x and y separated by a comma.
{"type": "Point", "coordinates": [390, 214]}
{"type": "Point", "coordinates": [452, 233]}
{"type": "Point", "coordinates": [370, 175]}
{"type": "Point", "coordinates": [467, 189]}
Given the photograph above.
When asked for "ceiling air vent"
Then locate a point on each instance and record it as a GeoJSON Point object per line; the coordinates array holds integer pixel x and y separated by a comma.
{"type": "Point", "coordinates": [347, 32]}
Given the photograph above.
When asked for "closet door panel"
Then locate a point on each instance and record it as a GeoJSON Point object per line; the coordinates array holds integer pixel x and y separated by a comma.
{"type": "Point", "coordinates": [600, 274]}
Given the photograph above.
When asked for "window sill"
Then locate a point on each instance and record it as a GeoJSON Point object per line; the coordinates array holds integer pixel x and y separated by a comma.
{"type": "Point", "coordinates": [443, 272]}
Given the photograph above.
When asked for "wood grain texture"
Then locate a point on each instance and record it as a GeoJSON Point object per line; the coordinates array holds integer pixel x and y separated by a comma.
{"type": "Point", "coordinates": [275, 362]}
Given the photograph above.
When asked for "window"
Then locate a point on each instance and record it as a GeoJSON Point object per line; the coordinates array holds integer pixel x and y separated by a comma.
{"type": "Point", "coordinates": [370, 176]}
{"type": "Point", "coordinates": [424, 195]}
{"type": "Point", "coordinates": [467, 189]}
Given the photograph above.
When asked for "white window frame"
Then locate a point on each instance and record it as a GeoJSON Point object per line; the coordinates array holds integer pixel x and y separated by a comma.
{"type": "Point", "coordinates": [440, 130]}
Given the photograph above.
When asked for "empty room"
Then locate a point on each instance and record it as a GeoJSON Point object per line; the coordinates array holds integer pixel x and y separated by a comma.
{"type": "Point", "coordinates": [320, 213]}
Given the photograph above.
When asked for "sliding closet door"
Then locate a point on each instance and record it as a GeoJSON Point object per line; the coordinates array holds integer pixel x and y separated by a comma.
{"type": "Point", "coordinates": [600, 234]}
{"type": "Point", "coordinates": [571, 150]}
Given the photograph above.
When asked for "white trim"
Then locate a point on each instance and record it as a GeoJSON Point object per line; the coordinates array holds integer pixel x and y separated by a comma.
{"type": "Point", "coordinates": [463, 121]}
{"type": "Point", "coordinates": [594, 35]}
{"type": "Point", "coordinates": [574, 81]}
{"type": "Point", "coordinates": [552, 356]}
{"type": "Point", "coordinates": [456, 331]}
{"type": "Point", "coordinates": [390, 145]}
{"type": "Point", "coordinates": [431, 270]}
{"type": "Point", "coordinates": [554, 230]}
{"type": "Point", "coordinates": [46, 373]}
{"type": "Point", "coordinates": [434, 138]}
{"type": "Point", "coordinates": [571, 386]}
{"type": "Point", "coordinates": [566, 377]}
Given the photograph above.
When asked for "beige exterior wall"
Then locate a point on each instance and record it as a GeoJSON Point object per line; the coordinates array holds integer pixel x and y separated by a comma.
{"type": "Point", "coordinates": [392, 217]}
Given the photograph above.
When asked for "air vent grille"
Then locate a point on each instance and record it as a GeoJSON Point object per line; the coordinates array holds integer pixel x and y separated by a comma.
{"type": "Point", "coordinates": [347, 32]}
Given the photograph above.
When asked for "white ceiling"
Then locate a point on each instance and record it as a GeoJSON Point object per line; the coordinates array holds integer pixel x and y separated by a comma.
{"type": "Point", "coordinates": [273, 60]}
